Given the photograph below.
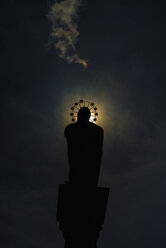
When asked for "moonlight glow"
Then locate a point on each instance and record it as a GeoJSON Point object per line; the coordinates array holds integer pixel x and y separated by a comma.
{"type": "Point", "coordinates": [83, 103]}
{"type": "Point", "coordinates": [106, 115]}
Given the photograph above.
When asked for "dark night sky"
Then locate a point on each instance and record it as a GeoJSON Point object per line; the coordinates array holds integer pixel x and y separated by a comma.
{"type": "Point", "coordinates": [122, 41]}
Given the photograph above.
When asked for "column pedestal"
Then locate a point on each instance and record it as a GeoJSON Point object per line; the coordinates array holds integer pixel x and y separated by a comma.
{"type": "Point", "coordinates": [81, 213]}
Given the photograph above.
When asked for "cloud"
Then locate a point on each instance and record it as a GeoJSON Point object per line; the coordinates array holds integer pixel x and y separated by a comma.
{"type": "Point", "coordinates": [63, 17]}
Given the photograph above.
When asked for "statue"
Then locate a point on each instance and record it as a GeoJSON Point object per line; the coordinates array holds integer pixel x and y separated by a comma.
{"type": "Point", "coordinates": [81, 204]}
{"type": "Point", "coordinates": [85, 141]}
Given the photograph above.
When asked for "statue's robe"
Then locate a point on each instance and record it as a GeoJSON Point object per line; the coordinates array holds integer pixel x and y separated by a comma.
{"type": "Point", "coordinates": [84, 142]}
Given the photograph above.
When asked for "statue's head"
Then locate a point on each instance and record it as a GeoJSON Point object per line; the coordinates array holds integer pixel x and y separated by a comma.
{"type": "Point", "coordinates": [84, 114]}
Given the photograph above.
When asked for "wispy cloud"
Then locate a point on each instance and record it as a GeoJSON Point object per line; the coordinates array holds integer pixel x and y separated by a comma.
{"type": "Point", "coordinates": [63, 17]}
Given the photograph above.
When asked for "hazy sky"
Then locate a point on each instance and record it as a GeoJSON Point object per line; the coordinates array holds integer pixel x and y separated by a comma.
{"type": "Point", "coordinates": [125, 78]}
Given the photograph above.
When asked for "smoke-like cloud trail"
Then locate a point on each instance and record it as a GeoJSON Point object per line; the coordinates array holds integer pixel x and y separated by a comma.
{"type": "Point", "coordinates": [63, 16]}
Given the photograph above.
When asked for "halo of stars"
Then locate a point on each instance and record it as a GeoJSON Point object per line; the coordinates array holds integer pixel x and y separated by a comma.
{"type": "Point", "coordinates": [81, 103]}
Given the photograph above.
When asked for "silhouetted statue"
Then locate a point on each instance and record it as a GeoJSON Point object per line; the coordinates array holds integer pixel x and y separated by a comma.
{"type": "Point", "coordinates": [85, 141]}
{"type": "Point", "coordinates": [81, 204]}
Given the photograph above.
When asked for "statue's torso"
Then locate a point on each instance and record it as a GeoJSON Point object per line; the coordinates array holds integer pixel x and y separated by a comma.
{"type": "Point", "coordinates": [84, 151]}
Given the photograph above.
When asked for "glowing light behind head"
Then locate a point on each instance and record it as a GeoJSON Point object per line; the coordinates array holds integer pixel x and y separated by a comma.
{"type": "Point", "coordinates": [105, 107]}
{"type": "Point", "coordinates": [114, 116]}
{"type": "Point", "coordinates": [80, 104]}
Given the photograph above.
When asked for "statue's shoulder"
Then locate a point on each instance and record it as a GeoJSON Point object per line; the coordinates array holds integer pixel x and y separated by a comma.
{"type": "Point", "coordinates": [69, 128]}
{"type": "Point", "coordinates": [96, 127]}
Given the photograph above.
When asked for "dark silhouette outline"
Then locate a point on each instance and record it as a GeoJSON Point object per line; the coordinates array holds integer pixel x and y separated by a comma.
{"type": "Point", "coordinates": [81, 204]}
{"type": "Point", "coordinates": [85, 141]}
